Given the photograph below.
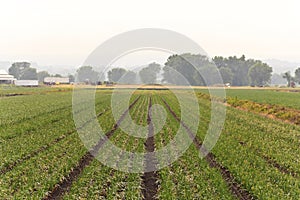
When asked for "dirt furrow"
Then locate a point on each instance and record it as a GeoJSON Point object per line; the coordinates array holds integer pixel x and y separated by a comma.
{"type": "Point", "coordinates": [12, 165]}
{"type": "Point", "coordinates": [149, 178]}
{"type": "Point", "coordinates": [272, 162]}
{"type": "Point", "coordinates": [64, 186]}
{"type": "Point", "coordinates": [236, 188]}
{"type": "Point", "coordinates": [12, 95]}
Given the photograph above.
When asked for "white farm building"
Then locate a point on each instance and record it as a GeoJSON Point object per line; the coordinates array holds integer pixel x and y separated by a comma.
{"type": "Point", "coordinates": [5, 78]}
{"type": "Point", "coordinates": [27, 83]}
{"type": "Point", "coordinates": [56, 80]}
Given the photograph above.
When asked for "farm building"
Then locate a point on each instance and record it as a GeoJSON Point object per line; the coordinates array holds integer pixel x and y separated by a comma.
{"type": "Point", "coordinates": [56, 80]}
{"type": "Point", "coordinates": [5, 78]}
{"type": "Point", "coordinates": [28, 83]}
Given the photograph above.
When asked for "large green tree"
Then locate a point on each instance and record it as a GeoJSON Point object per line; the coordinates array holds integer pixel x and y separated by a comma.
{"type": "Point", "coordinates": [42, 75]}
{"type": "Point", "coordinates": [121, 75]}
{"type": "Point", "coordinates": [71, 78]}
{"type": "Point", "coordinates": [87, 74]}
{"type": "Point", "coordinates": [22, 70]}
{"type": "Point", "coordinates": [183, 69]}
{"type": "Point", "coordinates": [240, 68]}
{"type": "Point", "coordinates": [260, 74]}
{"type": "Point", "coordinates": [115, 74]}
{"type": "Point", "coordinates": [29, 74]}
{"type": "Point", "coordinates": [129, 78]}
{"type": "Point", "coordinates": [226, 74]}
{"type": "Point", "coordinates": [288, 77]}
{"type": "Point", "coordinates": [190, 69]}
{"type": "Point", "coordinates": [148, 74]}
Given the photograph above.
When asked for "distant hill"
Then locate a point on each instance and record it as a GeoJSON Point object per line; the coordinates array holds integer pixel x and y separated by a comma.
{"type": "Point", "coordinates": [280, 66]}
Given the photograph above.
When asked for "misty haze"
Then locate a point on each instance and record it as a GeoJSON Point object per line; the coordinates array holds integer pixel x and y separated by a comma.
{"type": "Point", "coordinates": [149, 100]}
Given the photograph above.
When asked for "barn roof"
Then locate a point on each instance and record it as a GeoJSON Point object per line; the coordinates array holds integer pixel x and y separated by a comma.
{"type": "Point", "coordinates": [5, 76]}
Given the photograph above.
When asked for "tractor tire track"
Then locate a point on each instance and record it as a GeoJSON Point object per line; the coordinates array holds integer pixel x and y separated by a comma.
{"type": "Point", "coordinates": [64, 186]}
{"type": "Point", "coordinates": [13, 94]}
{"type": "Point", "coordinates": [236, 188]}
{"type": "Point", "coordinates": [150, 178]}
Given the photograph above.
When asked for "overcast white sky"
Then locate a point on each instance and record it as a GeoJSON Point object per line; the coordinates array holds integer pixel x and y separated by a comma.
{"type": "Point", "coordinates": [57, 32]}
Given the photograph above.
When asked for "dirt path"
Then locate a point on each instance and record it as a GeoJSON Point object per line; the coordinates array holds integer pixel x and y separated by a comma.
{"type": "Point", "coordinates": [149, 179]}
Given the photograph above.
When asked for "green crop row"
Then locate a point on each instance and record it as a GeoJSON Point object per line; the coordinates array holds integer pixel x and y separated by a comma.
{"type": "Point", "coordinates": [99, 181]}
{"type": "Point", "coordinates": [247, 142]}
{"type": "Point", "coordinates": [19, 108]}
{"type": "Point", "coordinates": [276, 111]}
{"type": "Point", "coordinates": [31, 137]}
{"type": "Point", "coordinates": [273, 111]}
{"type": "Point", "coordinates": [189, 177]}
{"type": "Point", "coordinates": [245, 133]}
{"type": "Point", "coordinates": [280, 97]}
{"type": "Point", "coordinates": [22, 179]}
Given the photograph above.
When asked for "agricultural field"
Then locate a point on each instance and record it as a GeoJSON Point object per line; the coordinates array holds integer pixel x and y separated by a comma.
{"type": "Point", "coordinates": [10, 90]}
{"type": "Point", "coordinates": [283, 97]}
{"type": "Point", "coordinates": [43, 156]}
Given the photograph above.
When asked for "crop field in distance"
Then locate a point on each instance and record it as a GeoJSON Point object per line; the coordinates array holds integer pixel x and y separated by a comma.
{"type": "Point", "coordinates": [42, 154]}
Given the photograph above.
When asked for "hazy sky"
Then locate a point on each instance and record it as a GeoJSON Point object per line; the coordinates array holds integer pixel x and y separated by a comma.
{"type": "Point", "coordinates": [53, 32]}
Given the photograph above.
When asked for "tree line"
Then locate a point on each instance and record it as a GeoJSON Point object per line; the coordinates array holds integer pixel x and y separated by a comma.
{"type": "Point", "coordinates": [24, 71]}
{"type": "Point", "coordinates": [242, 71]}
{"type": "Point", "coordinates": [292, 80]}
{"type": "Point", "coordinates": [184, 69]}
{"type": "Point", "coordinates": [147, 75]}
{"type": "Point", "coordinates": [196, 69]}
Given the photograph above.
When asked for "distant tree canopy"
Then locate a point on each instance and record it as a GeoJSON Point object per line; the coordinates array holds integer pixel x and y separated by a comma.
{"type": "Point", "coordinates": [87, 74]}
{"type": "Point", "coordinates": [289, 78]}
{"type": "Point", "coordinates": [190, 69]}
{"type": "Point", "coordinates": [259, 74]}
{"type": "Point", "coordinates": [57, 75]}
{"type": "Point", "coordinates": [226, 74]}
{"type": "Point", "coordinates": [297, 75]}
{"type": "Point", "coordinates": [148, 74]}
{"type": "Point", "coordinates": [129, 78]}
{"type": "Point", "coordinates": [121, 75]}
{"type": "Point", "coordinates": [23, 71]}
{"type": "Point", "coordinates": [178, 70]}
{"type": "Point", "coordinates": [245, 71]}
{"type": "Point", "coordinates": [115, 74]}
{"type": "Point", "coordinates": [199, 70]}
{"type": "Point", "coordinates": [71, 78]}
{"type": "Point", "coordinates": [29, 74]}
{"type": "Point", "coordinates": [42, 75]}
